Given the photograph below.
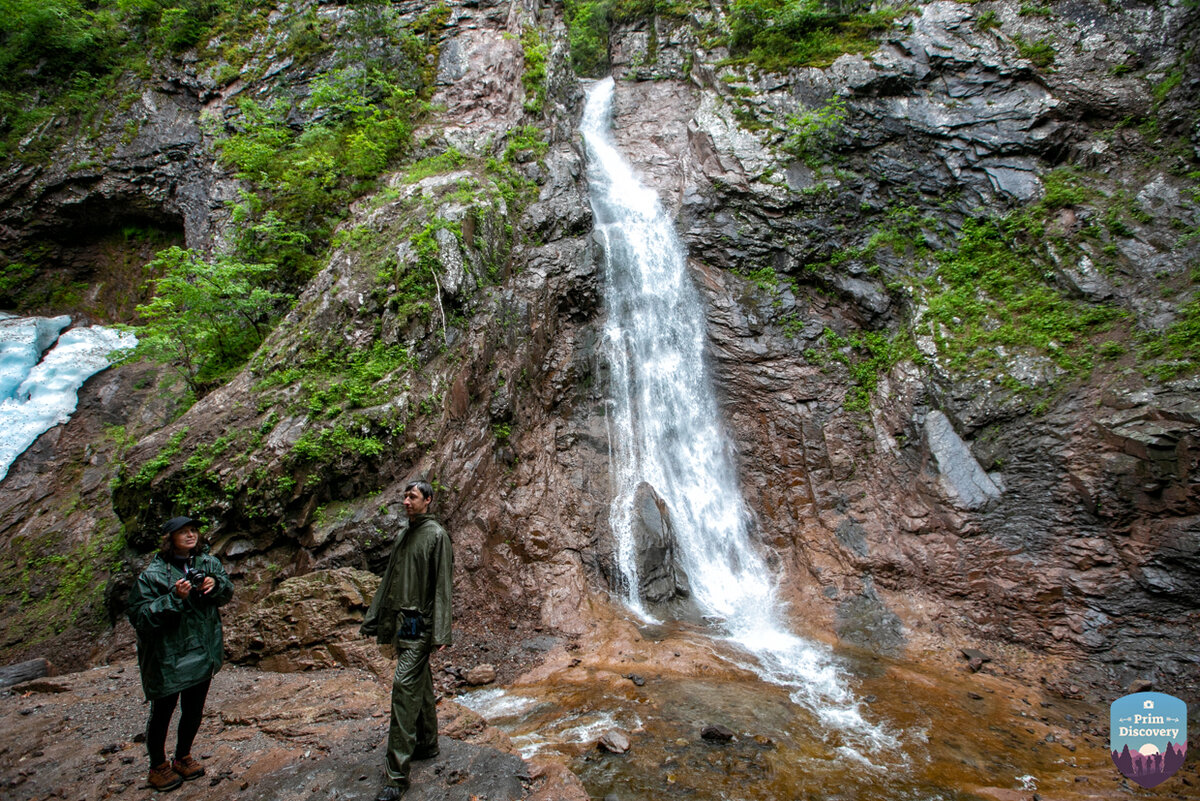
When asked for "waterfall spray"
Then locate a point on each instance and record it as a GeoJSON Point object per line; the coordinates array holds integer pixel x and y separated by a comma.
{"type": "Point", "coordinates": [665, 431]}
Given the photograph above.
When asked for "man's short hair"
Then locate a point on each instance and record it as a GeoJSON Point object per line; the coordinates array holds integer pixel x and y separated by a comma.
{"type": "Point", "coordinates": [422, 486]}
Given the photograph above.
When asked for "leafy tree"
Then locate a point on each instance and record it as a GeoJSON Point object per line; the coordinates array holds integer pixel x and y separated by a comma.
{"type": "Point", "coordinates": [206, 317]}
{"type": "Point", "coordinates": [588, 23]}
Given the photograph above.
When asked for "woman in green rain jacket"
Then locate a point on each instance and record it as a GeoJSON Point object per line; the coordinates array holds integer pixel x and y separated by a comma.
{"type": "Point", "coordinates": [174, 610]}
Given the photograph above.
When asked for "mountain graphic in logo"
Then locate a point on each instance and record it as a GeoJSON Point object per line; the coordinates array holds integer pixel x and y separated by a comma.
{"type": "Point", "coordinates": [1148, 736]}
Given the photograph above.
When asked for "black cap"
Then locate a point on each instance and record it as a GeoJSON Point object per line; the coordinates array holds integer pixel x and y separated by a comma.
{"type": "Point", "coordinates": [176, 523]}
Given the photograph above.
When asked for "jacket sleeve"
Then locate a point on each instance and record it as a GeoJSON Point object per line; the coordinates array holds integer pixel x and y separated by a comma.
{"type": "Point", "coordinates": [153, 606]}
{"type": "Point", "coordinates": [222, 593]}
{"type": "Point", "coordinates": [370, 624]}
{"type": "Point", "coordinates": [443, 591]}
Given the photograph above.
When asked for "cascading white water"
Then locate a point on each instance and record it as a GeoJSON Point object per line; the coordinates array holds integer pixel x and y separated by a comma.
{"type": "Point", "coordinates": [665, 430]}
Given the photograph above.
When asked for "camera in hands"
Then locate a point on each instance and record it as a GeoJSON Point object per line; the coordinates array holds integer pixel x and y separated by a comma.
{"type": "Point", "coordinates": [196, 578]}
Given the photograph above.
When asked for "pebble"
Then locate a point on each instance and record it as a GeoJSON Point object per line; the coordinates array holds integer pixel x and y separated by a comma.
{"type": "Point", "coordinates": [716, 733]}
{"type": "Point", "coordinates": [614, 742]}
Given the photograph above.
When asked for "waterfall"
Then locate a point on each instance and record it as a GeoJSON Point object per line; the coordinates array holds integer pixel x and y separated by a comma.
{"type": "Point", "coordinates": [665, 431]}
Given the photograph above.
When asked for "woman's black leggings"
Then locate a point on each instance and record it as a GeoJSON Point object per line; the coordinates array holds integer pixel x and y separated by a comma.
{"type": "Point", "coordinates": [191, 709]}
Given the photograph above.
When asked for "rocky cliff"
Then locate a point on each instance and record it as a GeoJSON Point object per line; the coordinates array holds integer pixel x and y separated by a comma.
{"type": "Point", "coordinates": [951, 288]}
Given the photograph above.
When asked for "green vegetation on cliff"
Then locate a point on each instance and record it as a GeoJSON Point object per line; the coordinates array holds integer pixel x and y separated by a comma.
{"type": "Point", "coordinates": [774, 35]}
{"type": "Point", "coordinates": [63, 57]}
{"type": "Point", "coordinates": [777, 35]}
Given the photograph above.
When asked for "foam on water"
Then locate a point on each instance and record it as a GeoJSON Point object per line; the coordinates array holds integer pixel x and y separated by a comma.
{"type": "Point", "coordinates": [497, 704]}
{"type": "Point", "coordinates": [665, 430]}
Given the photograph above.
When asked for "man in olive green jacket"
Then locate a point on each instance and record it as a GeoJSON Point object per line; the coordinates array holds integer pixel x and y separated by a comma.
{"type": "Point", "coordinates": [411, 610]}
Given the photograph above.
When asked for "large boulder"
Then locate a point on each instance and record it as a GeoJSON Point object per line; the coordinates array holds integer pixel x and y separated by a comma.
{"type": "Point", "coordinates": [308, 622]}
{"type": "Point", "coordinates": [662, 581]}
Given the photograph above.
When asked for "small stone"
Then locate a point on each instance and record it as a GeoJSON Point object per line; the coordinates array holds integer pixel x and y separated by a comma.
{"type": "Point", "coordinates": [975, 665]}
{"type": "Point", "coordinates": [715, 732]}
{"type": "Point", "coordinates": [1141, 686]}
{"type": "Point", "coordinates": [636, 679]}
{"type": "Point", "coordinates": [480, 674]}
{"type": "Point", "coordinates": [614, 742]}
{"type": "Point", "coordinates": [972, 654]}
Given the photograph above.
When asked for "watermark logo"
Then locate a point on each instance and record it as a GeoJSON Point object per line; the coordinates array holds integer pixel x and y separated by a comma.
{"type": "Point", "coordinates": [1148, 736]}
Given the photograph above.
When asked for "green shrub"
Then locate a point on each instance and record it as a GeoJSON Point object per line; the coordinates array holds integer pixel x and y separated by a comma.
{"type": "Point", "coordinates": [1035, 10]}
{"type": "Point", "coordinates": [994, 289]}
{"type": "Point", "coordinates": [536, 49]}
{"type": "Point", "coordinates": [588, 23]}
{"type": "Point", "coordinates": [14, 277]}
{"type": "Point", "coordinates": [161, 460]}
{"type": "Point", "coordinates": [328, 444]}
{"type": "Point", "coordinates": [811, 132]}
{"type": "Point", "coordinates": [1063, 188]}
{"type": "Point", "coordinates": [1041, 52]}
{"type": "Point", "coordinates": [206, 317]}
{"type": "Point", "coordinates": [1176, 351]}
{"type": "Point", "coordinates": [987, 21]}
{"type": "Point", "coordinates": [867, 355]}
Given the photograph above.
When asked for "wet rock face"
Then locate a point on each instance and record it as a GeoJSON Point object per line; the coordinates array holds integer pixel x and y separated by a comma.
{"type": "Point", "coordinates": [77, 208]}
{"type": "Point", "coordinates": [948, 489]}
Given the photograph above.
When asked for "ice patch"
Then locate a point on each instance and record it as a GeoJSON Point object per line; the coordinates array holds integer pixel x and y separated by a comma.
{"type": "Point", "coordinates": [41, 372]}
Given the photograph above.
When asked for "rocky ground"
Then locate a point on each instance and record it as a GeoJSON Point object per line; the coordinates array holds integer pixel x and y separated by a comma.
{"type": "Point", "coordinates": [300, 713]}
{"type": "Point", "coordinates": [318, 734]}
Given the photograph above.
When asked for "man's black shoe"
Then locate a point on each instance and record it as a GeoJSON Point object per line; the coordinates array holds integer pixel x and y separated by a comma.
{"type": "Point", "coordinates": [425, 753]}
{"type": "Point", "coordinates": [391, 792]}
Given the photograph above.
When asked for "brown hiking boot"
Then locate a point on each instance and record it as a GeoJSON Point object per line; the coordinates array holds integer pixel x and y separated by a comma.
{"type": "Point", "coordinates": [164, 777]}
{"type": "Point", "coordinates": [188, 768]}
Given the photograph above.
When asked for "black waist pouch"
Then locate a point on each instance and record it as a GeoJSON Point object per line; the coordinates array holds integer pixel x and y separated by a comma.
{"type": "Point", "coordinates": [409, 624]}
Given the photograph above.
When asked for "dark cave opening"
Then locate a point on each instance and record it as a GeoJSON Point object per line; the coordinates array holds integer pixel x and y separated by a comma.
{"type": "Point", "coordinates": [89, 262]}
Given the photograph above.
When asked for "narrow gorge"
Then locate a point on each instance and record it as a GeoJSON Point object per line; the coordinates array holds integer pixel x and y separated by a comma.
{"type": "Point", "coordinates": [936, 264]}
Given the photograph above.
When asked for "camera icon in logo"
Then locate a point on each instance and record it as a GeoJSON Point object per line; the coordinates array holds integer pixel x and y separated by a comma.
{"type": "Point", "coordinates": [1147, 704]}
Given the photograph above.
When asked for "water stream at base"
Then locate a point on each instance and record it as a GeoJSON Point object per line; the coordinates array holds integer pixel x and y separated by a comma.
{"type": "Point", "coordinates": [665, 430]}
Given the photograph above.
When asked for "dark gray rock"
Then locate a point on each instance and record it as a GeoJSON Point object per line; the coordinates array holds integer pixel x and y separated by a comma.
{"type": "Point", "coordinates": [664, 586]}
{"type": "Point", "coordinates": [715, 732]}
